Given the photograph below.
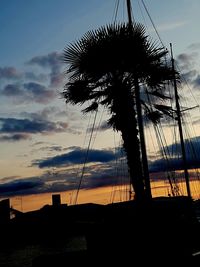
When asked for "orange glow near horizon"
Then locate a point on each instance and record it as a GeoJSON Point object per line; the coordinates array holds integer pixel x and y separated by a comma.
{"type": "Point", "coordinates": [102, 195]}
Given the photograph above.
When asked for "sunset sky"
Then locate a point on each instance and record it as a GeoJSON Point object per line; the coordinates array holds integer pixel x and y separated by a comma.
{"type": "Point", "coordinates": [42, 139]}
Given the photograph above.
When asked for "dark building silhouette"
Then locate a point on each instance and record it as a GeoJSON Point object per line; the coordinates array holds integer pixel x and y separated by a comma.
{"type": "Point", "coordinates": [4, 210]}
{"type": "Point", "coordinates": [56, 201]}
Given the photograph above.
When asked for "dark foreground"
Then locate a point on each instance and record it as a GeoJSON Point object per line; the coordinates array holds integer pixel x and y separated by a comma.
{"type": "Point", "coordinates": [165, 232]}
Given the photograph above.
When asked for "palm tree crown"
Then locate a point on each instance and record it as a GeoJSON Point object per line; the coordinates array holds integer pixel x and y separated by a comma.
{"type": "Point", "coordinates": [104, 68]}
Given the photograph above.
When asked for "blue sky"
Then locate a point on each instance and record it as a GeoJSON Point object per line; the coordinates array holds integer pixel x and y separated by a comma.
{"type": "Point", "coordinates": [39, 135]}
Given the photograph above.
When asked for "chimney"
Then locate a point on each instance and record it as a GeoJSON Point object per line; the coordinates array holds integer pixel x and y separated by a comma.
{"type": "Point", "coordinates": [56, 200]}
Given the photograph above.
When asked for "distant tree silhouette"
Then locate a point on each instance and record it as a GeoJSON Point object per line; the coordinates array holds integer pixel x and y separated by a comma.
{"type": "Point", "coordinates": [105, 68]}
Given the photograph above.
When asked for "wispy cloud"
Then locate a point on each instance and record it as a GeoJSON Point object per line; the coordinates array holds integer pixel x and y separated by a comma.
{"type": "Point", "coordinates": [194, 46]}
{"type": "Point", "coordinates": [54, 63]}
{"type": "Point", "coordinates": [38, 84]}
{"type": "Point", "coordinates": [187, 63]}
{"type": "Point", "coordinates": [172, 25]}
{"type": "Point", "coordinates": [15, 137]}
{"type": "Point", "coordinates": [9, 73]}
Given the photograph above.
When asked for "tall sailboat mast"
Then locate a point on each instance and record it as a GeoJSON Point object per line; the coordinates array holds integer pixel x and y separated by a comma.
{"type": "Point", "coordinates": [178, 113]}
{"type": "Point", "coordinates": [130, 16]}
{"type": "Point", "coordinates": [140, 122]}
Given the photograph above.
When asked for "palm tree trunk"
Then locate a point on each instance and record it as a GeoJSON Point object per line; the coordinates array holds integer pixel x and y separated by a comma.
{"type": "Point", "coordinates": [123, 107]}
{"type": "Point", "coordinates": [132, 148]}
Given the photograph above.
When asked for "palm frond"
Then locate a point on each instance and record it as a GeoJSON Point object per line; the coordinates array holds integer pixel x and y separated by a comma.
{"type": "Point", "coordinates": [77, 92]}
{"type": "Point", "coordinates": [90, 108]}
{"type": "Point", "coordinates": [154, 116]}
{"type": "Point", "coordinates": [159, 94]}
{"type": "Point", "coordinates": [167, 110]}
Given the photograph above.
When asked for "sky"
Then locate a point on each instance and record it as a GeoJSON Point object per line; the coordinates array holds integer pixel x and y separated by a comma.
{"type": "Point", "coordinates": [42, 139]}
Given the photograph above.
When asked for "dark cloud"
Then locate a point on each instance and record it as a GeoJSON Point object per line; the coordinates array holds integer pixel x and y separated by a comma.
{"type": "Point", "coordinates": [194, 46]}
{"type": "Point", "coordinates": [9, 73]}
{"type": "Point", "coordinates": [196, 82]}
{"type": "Point", "coordinates": [173, 164]}
{"type": "Point", "coordinates": [97, 175]}
{"type": "Point", "coordinates": [13, 125]}
{"type": "Point", "coordinates": [52, 60]}
{"type": "Point", "coordinates": [31, 85]}
{"type": "Point", "coordinates": [12, 90]}
{"type": "Point", "coordinates": [39, 93]}
{"type": "Point", "coordinates": [28, 92]}
{"type": "Point", "coordinates": [190, 76]}
{"type": "Point", "coordinates": [77, 156]}
{"type": "Point", "coordinates": [187, 60]}
{"type": "Point", "coordinates": [34, 88]}
{"type": "Point", "coordinates": [14, 137]}
{"type": "Point", "coordinates": [184, 58]}
{"type": "Point", "coordinates": [54, 63]}
{"type": "Point", "coordinates": [164, 165]}
{"type": "Point", "coordinates": [187, 63]}
{"type": "Point", "coordinates": [21, 186]}
{"type": "Point", "coordinates": [192, 148]}
{"type": "Point", "coordinates": [31, 76]}
{"type": "Point", "coordinates": [107, 174]}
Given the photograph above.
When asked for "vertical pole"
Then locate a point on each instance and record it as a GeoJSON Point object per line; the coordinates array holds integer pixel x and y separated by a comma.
{"type": "Point", "coordinates": [142, 141]}
{"type": "Point", "coordinates": [128, 4]}
{"type": "Point", "coordinates": [130, 15]}
{"type": "Point", "coordinates": [140, 124]}
{"type": "Point", "coordinates": [178, 112]}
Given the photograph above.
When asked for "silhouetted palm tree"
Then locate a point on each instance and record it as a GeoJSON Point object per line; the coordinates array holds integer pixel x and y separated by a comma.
{"type": "Point", "coordinates": [105, 68]}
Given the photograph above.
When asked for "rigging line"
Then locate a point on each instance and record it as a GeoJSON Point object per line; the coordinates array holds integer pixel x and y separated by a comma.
{"type": "Point", "coordinates": [124, 176]}
{"type": "Point", "coordinates": [132, 15]}
{"type": "Point", "coordinates": [174, 153]}
{"type": "Point", "coordinates": [142, 14]}
{"type": "Point", "coordinates": [154, 125]}
{"type": "Point", "coordinates": [113, 189]}
{"type": "Point", "coordinates": [160, 142]}
{"type": "Point", "coordinates": [189, 114]}
{"type": "Point", "coordinates": [115, 11]}
{"type": "Point", "coordinates": [145, 7]}
{"type": "Point", "coordinates": [185, 81]}
{"type": "Point", "coordinates": [188, 123]}
{"type": "Point", "coordinates": [118, 174]}
{"type": "Point", "coordinates": [125, 173]}
{"type": "Point", "coordinates": [86, 158]}
{"type": "Point", "coordinates": [122, 173]}
{"type": "Point", "coordinates": [98, 127]}
{"type": "Point", "coordinates": [165, 155]}
{"type": "Point", "coordinates": [78, 168]}
{"type": "Point", "coordinates": [168, 151]}
{"type": "Point", "coordinates": [123, 8]}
